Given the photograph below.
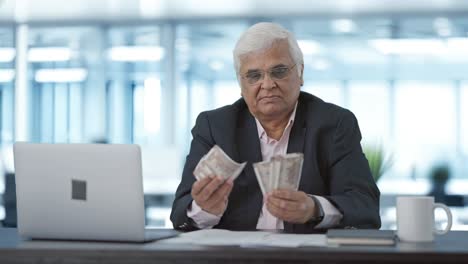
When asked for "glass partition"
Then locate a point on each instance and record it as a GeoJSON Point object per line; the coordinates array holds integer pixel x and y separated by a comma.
{"type": "Point", "coordinates": [403, 77]}
{"type": "Point", "coordinates": [60, 66]}
{"type": "Point", "coordinates": [7, 81]}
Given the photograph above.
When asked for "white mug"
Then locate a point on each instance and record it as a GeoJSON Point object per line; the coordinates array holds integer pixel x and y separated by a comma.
{"type": "Point", "coordinates": [415, 218]}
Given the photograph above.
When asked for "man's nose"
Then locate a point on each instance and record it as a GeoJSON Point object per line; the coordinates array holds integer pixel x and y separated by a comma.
{"type": "Point", "coordinates": [267, 82]}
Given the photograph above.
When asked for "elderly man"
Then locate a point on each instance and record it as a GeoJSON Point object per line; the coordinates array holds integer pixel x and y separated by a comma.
{"type": "Point", "coordinates": [274, 117]}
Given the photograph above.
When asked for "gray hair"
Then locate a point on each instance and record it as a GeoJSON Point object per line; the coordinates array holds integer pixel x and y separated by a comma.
{"type": "Point", "coordinates": [263, 35]}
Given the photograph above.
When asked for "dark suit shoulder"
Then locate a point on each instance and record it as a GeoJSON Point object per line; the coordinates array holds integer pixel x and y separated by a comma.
{"type": "Point", "coordinates": [323, 112]}
{"type": "Point", "coordinates": [220, 125]}
{"type": "Point", "coordinates": [225, 116]}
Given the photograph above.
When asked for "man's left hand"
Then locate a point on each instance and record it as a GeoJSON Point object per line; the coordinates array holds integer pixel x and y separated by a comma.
{"type": "Point", "coordinates": [291, 206]}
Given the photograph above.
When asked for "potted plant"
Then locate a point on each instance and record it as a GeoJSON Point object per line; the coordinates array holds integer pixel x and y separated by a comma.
{"type": "Point", "coordinates": [379, 161]}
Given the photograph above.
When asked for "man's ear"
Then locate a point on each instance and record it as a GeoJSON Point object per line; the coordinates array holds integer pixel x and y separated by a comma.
{"type": "Point", "coordinates": [241, 90]}
{"type": "Point", "coordinates": [240, 85]}
{"type": "Point", "coordinates": [302, 74]}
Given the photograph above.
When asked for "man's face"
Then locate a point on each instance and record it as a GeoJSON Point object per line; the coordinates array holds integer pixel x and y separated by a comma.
{"type": "Point", "coordinates": [275, 93]}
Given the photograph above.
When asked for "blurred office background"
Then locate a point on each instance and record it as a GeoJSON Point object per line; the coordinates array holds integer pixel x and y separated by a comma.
{"type": "Point", "coordinates": [140, 71]}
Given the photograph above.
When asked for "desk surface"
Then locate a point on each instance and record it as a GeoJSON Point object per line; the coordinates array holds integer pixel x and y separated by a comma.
{"type": "Point", "coordinates": [451, 248]}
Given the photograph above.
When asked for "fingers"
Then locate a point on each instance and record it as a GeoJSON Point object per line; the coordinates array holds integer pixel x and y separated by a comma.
{"type": "Point", "coordinates": [219, 197]}
{"type": "Point", "coordinates": [199, 185]}
{"type": "Point", "coordinates": [211, 194]}
{"type": "Point", "coordinates": [207, 189]}
{"type": "Point", "coordinates": [289, 195]}
{"type": "Point", "coordinates": [286, 204]}
{"type": "Point", "coordinates": [278, 212]}
{"type": "Point", "coordinates": [291, 206]}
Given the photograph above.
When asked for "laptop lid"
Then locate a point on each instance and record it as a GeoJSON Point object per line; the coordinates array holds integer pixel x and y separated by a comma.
{"type": "Point", "coordinates": [79, 191]}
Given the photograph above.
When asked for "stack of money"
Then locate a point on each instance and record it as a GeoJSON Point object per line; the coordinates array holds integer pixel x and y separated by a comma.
{"type": "Point", "coordinates": [218, 163]}
{"type": "Point", "coordinates": [280, 172]}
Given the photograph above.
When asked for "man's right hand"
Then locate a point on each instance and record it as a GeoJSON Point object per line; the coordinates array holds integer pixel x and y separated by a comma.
{"type": "Point", "coordinates": [211, 194]}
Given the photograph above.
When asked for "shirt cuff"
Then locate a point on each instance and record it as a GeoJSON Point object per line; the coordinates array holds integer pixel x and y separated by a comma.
{"type": "Point", "coordinates": [201, 218]}
{"type": "Point", "coordinates": [331, 215]}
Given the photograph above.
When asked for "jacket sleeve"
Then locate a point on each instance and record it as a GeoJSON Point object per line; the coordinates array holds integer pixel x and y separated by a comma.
{"type": "Point", "coordinates": [352, 188]}
{"type": "Point", "coordinates": [202, 142]}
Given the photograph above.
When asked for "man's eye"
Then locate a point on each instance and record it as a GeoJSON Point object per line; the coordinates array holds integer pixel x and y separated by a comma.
{"type": "Point", "coordinates": [254, 75]}
{"type": "Point", "coordinates": [279, 72]}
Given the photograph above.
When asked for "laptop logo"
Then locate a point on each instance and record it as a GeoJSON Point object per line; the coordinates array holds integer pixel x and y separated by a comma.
{"type": "Point", "coordinates": [78, 190]}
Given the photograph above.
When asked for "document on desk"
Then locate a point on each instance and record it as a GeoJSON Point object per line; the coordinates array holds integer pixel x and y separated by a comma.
{"type": "Point", "coordinates": [220, 237]}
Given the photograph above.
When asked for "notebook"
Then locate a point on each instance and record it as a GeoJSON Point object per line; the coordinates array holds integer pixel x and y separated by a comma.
{"type": "Point", "coordinates": [361, 237]}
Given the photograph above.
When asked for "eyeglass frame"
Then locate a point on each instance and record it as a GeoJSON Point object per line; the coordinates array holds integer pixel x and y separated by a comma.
{"type": "Point", "coordinates": [289, 68]}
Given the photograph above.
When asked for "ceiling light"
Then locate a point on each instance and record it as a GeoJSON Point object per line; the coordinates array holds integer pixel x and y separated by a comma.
{"type": "Point", "coordinates": [136, 53]}
{"type": "Point", "coordinates": [49, 54]}
{"type": "Point", "coordinates": [309, 47]}
{"type": "Point", "coordinates": [321, 64]}
{"type": "Point", "coordinates": [7, 54]}
{"type": "Point", "coordinates": [343, 25]}
{"type": "Point", "coordinates": [216, 65]}
{"type": "Point", "coordinates": [409, 46]}
{"type": "Point", "coordinates": [7, 75]}
{"type": "Point", "coordinates": [61, 75]}
{"type": "Point", "coordinates": [442, 26]}
{"type": "Point", "coordinates": [152, 8]}
{"type": "Point", "coordinates": [152, 105]}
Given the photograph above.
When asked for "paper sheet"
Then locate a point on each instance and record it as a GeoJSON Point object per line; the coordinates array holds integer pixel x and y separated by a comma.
{"type": "Point", "coordinates": [220, 237]}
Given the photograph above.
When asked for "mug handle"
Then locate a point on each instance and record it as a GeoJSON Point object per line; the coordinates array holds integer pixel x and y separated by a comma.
{"type": "Point", "coordinates": [449, 219]}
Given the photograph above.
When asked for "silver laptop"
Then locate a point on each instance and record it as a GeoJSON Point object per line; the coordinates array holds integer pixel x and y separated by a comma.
{"type": "Point", "coordinates": [81, 192]}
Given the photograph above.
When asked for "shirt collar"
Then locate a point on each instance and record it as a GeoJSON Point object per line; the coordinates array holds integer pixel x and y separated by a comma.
{"type": "Point", "coordinates": [261, 131]}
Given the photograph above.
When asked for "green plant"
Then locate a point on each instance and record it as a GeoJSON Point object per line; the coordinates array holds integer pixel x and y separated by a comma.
{"type": "Point", "coordinates": [379, 161]}
{"type": "Point", "coordinates": [440, 174]}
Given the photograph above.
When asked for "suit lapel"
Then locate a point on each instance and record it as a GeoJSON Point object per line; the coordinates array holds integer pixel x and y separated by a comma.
{"type": "Point", "coordinates": [298, 131]}
{"type": "Point", "coordinates": [248, 145]}
{"type": "Point", "coordinates": [247, 139]}
{"type": "Point", "coordinates": [296, 143]}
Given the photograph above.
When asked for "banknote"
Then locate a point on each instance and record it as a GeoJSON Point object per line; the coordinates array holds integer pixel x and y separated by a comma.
{"type": "Point", "coordinates": [290, 171]}
{"type": "Point", "coordinates": [263, 172]}
{"type": "Point", "coordinates": [280, 172]}
{"type": "Point", "coordinates": [217, 163]}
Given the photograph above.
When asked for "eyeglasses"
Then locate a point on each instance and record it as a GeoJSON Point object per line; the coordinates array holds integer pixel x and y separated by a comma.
{"type": "Point", "coordinates": [275, 73]}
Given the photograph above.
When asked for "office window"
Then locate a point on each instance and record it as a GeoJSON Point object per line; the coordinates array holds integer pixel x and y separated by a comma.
{"type": "Point", "coordinates": [425, 125]}
{"type": "Point", "coordinates": [369, 101]}
{"type": "Point", "coordinates": [204, 74]}
{"type": "Point", "coordinates": [140, 104]}
{"type": "Point", "coordinates": [60, 62]}
{"type": "Point", "coordinates": [202, 99]}
{"type": "Point", "coordinates": [205, 68]}
{"type": "Point", "coordinates": [147, 111]}
{"type": "Point", "coordinates": [464, 119]}
{"type": "Point", "coordinates": [331, 92]}
{"type": "Point", "coordinates": [226, 93]}
{"type": "Point", "coordinates": [7, 78]}
{"type": "Point", "coordinates": [182, 113]}
{"type": "Point", "coordinates": [75, 109]}
{"type": "Point", "coordinates": [136, 84]}
{"type": "Point", "coordinates": [146, 84]}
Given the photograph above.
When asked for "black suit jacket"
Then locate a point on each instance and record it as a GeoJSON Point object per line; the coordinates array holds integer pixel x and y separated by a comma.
{"type": "Point", "coordinates": [334, 164]}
